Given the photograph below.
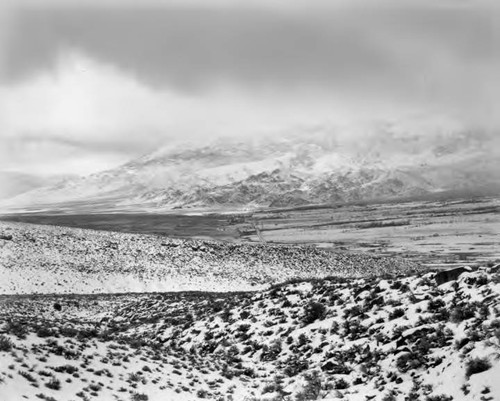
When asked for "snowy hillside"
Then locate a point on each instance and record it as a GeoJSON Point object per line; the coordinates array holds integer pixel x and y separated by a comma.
{"type": "Point", "coordinates": [315, 165]}
{"type": "Point", "coordinates": [389, 339]}
{"type": "Point", "coordinates": [49, 259]}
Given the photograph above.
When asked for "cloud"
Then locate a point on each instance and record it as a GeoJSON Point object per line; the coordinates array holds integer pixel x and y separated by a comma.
{"type": "Point", "coordinates": [440, 53]}
{"type": "Point", "coordinates": [101, 83]}
{"type": "Point", "coordinates": [84, 115]}
{"type": "Point", "coordinates": [81, 116]}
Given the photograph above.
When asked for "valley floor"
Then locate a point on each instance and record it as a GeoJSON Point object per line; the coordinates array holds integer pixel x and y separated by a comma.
{"type": "Point", "coordinates": [437, 233]}
{"type": "Point", "coordinates": [434, 233]}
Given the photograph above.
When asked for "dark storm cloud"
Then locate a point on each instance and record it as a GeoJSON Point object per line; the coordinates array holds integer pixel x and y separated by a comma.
{"type": "Point", "coordinates": [337, 47]}
{"type": "Point", "coordinates": [114, 78]}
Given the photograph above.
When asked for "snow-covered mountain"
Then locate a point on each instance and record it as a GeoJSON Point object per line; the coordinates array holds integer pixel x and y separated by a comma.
{"type": "Point", "coordinates": [303, 166]}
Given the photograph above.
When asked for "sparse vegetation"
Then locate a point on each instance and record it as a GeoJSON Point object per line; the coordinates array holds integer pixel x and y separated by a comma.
{"type": "Point", "coordinates": [5, 343]}
{"type": "Point", "coordinates": [305, 340]}
{"type": "Point", "coordinates": [313, 311]}
{"type": "Point", "coordinates": [54, 384]}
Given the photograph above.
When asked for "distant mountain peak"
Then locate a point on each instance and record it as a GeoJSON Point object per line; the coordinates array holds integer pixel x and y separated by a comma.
{"type": "Point", "coordinates": [315, 165]}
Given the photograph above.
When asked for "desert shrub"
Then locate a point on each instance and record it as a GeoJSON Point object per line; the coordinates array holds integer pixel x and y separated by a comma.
{"type": "Point", "coordinates": [19, 329]}
{"type": "Point", "coordinates": [270, 388]}
{"type": "Point", "coordinates": [27, 376]}
{"type": "Point", "coordinates": [312, 389]}
{"type": "Point", "coordinates": [44, 332]}
{"type": "Point", "coordinates": [137, 342]}
{"type": "Point", "coordinates": [312, 312]}
{"type": "Point", "coordinates": [425, 281]}
{"type": "Point", "coordinates": [435, 304]}
{"type": "Point", "coordinates": [68, 331]}
{"type": "Point", "coordinates": [341, 384]}
{"type": "Point", "coordinates": [95, 387]}
{"type": "Point", "coordinates": [390, 396]}
{"type": "Point", "coordinates": [408, 361]}
{"type": "Point", "coordinates": [476, 365]}
{"type": "Point", "coordinates": [484, 311]}
{"type": "Point", "coordinates": [441, 336]}
{"type": "Point", "coordinates": [134, 377]}
{"type": "Point", "coordinates": [5, 343]}
{"type": "Point", "coordinates": [422, 346]}
{"type": "Point", "coordinates": [356, 310]}
{"type": "Point", "coordinates": [226, 314]}
{"type": "Point", "coordinates": [462, 312]}
{"type": "Point", "coordinates": [88, 333]}
{"type": "Point", "coordinates": [139, 397]}
{"type": "Point", "coordinates": [295, 365]}
{"type": "Point", "coordinates": [398, 330]}
{"type": "Point", "coordinates": [250, 372]}
{"type": "Point", "coordinates": [398, 312]}
{"type": "Point", "coordinates": [303, 339]}
{"type": "Point", "coordinates": [69, 369]}
{"type": "Point", "coordinates": [232, 354]}
{"type": "Point", "coordinates": [353, 329]}
{"type": "Point", "coordinates": [271, 352]}
{"type": "Point", "coordinates": [475, 334]}
{"type": "Point", "coordinates": [53, 384]}
{"type": "Point", "coordinates": [440, 397]}
{"type": "Point", "coordinates": [45, 397]}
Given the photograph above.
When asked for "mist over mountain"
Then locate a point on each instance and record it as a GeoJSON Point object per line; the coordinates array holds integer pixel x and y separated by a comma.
{"type": "Point", "coordinates": [307, 165]}
{"type": "Point", "coordinates": [13, 183]}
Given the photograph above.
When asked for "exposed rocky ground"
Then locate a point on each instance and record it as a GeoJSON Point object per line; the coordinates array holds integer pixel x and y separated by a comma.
{"type": "Point", "coordinates": [404, 338]}
{"type": "Point", "coordinates": [50, 259]}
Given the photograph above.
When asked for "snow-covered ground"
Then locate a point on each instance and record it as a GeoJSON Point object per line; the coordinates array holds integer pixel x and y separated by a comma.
{"type": "Point", "coordinates": [50, 259]}
{"type": "Point", "coordinates": [389, 338]}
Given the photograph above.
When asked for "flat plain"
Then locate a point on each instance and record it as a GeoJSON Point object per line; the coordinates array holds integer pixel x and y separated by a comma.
{"type": "Point", "coordinates": [435, 233]}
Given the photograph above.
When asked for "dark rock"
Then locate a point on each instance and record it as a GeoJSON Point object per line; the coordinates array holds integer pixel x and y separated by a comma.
{"type": "Point", "coordinates": [450, 275]}
{"type": "Point", "coordinates": [495, 268]}
{"type": "Point", "coordinates": [437, 362]}
{"type": "Point", "coordinates": [328, 366]}
{"type": "Point", "coordinates": [462, 343]}
{"type": "Point", "coordinates": [335, 368]}
{"type": "Point", "coordinates": [6, 237]}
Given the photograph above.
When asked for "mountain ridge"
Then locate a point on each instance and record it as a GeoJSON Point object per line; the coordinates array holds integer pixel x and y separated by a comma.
{"type": "Point", "coordinates": [299, 168]}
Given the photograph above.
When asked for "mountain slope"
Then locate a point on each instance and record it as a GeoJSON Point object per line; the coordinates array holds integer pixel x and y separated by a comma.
{"type": "Point", "coordinates": [319, 165]}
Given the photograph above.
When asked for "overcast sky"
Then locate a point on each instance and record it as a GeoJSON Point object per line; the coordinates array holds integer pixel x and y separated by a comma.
{"type": "Point", "coordinates": [85, 86]}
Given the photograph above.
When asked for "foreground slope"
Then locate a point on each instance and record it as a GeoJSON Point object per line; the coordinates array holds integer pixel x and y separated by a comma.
{"type": "Point", "coordinates": [50, 259]}
{"type": "Point", "coordinates": [386, 339]}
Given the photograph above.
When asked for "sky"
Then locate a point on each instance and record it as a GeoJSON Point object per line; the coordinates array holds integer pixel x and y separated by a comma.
{"type": "Point", "coordinates": [88, 85]}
